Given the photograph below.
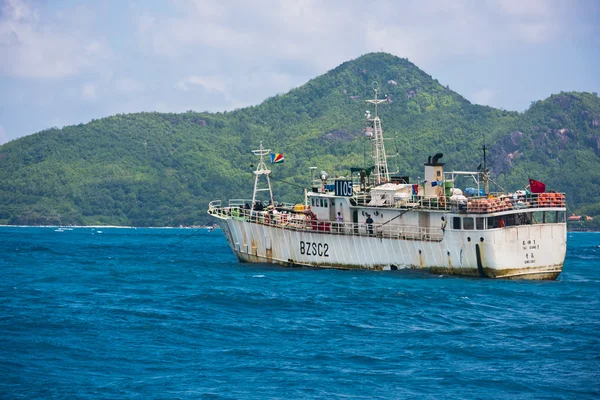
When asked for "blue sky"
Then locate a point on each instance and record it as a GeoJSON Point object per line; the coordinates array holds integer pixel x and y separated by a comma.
{"type": "Point", "coordinates": [63, 62]}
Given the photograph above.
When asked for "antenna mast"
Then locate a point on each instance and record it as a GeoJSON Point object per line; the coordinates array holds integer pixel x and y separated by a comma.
{"type": "Point", "coordinates": [261, 169]}
{"type": "Point", "coordinates": [485, 176]}
{"type": "Point", "coordinates": [382, 173]}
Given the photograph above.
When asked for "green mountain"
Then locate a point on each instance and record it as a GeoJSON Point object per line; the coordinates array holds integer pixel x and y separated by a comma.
{"type": "Point", "coordinates": [156, 169]}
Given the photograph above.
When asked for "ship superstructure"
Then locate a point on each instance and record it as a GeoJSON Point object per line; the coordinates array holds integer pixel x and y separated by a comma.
{"type": "Point", "coordinates": [373, 220]}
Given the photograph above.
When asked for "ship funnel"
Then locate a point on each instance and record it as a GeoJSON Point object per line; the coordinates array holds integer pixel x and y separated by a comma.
{"type": "Point", "coordinates": [434, 176]}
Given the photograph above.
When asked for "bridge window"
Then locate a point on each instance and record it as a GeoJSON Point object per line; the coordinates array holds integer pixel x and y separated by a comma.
{"type": "Point", "coordinates": [515, 219]}
{"type": "Point", "coordinates": [511, 220]}
{"type": "Point", "coordinates": [468, 223]}
{"type": "Point", "coordinates": [456, 223]}
{"type": "Point", "coordinates": [494, 222]}
{"type": "Point", "coordinates": [479, 223]}
{"type": "Point", "coordinates": [523, 219]}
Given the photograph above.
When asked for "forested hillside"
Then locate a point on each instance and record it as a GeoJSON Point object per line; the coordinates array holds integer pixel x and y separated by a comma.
{"type": "Point", "coordinates": [156, 169]}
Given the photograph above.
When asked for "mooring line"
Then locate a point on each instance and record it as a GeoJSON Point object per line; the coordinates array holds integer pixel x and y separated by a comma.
{"type": "Point", "coordinates": [170, 247]}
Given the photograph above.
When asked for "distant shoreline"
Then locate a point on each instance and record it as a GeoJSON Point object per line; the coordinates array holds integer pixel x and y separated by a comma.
{"type": "Point", "coordinates": [583, 230]}
{"type": "Point", "coordinates": [113, 226]}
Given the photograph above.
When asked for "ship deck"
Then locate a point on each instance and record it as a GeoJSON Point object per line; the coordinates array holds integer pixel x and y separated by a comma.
{"type": "Point", "coordinates": [297, 219]}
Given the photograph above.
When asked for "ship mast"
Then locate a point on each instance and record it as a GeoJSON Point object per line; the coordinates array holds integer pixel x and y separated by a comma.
{"type": "Point", "coordinates": [485, 175]}
{"type": "Point", "coordinates": [382, 174]}
{"type": "Point", "coordinates": [261, 169]}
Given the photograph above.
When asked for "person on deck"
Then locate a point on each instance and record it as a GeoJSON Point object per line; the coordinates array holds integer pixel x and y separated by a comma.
{"type": "Point", "coordinates": [369, 222]}
{"type": "Point", "coordinates": [339, 219]}
{"type": "Point", "coordinates": [444, 223]}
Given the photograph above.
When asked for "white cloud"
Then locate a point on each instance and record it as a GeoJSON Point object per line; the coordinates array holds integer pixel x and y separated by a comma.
{"type": "Point", "coordinates": [528, 9]}
{"type": "Point", "coordinates": [215, 56]}
{"type": "Point", "coordinates": [144, 23]}
{"type": "Point", "coordinates": [251, 51]}
{"type": "Point", "coordinates": [483, 96]}
{"type": "Point", "coordinates": [88, 91]}
{"type": "Point", "coordinates": [534, 21]}
{"type": "Point", "coordinates": [324, 34]}
{"type": "Point", "coordinates": [429, 33]}
{"type": "Point", "coordinates": [209, 83]}
{"type": "Point", "coordinates": [254, 31]}
{"type": "Point", "coordinates": [34, 47]}
{"type": "Point", "coordinates": [127, 85]}
{"type": "Point", "coordinates": [19, 10]}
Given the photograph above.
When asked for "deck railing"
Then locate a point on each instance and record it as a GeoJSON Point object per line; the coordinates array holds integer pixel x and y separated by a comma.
{"type": "Point", "coordinates": [303, 222]}
{"type": "Point", "coordinates": [300, 221]}
{"type": "Point", "coordinates": [482, 205]}
{"type": "Point", "coordinates": [478, 205]}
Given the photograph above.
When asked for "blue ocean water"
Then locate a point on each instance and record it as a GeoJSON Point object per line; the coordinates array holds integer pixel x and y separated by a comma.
{"type": "Point", "coordinates": [169, 313]}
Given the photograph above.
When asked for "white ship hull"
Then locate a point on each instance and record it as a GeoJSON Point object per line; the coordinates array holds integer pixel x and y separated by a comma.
{"type": "Point", "coordinates": [372, 220]}
{"type": "Point", "coordinates": [520, 252]}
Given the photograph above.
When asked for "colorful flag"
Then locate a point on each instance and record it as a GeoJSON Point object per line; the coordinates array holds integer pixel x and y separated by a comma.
{"type": "Point", "coordinates": [276, 158]}
{"type": "Point", "coordinates": [536, 186]}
